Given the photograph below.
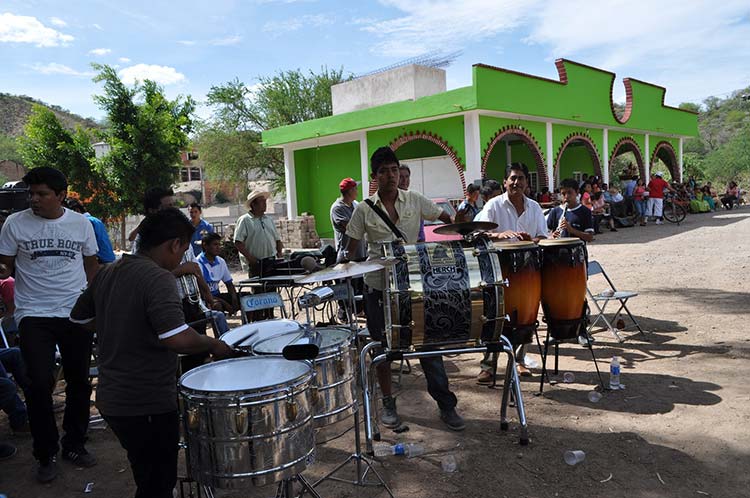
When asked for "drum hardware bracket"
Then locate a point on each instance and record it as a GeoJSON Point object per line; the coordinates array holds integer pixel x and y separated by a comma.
{"type": "Point", "coordinates": [503, 318]}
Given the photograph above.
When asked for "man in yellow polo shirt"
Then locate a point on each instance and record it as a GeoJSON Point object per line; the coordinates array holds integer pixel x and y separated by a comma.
{"type": "Point", "coordinates": [405, 209]}
{"type": "Point", "coordinates": [255, 236]}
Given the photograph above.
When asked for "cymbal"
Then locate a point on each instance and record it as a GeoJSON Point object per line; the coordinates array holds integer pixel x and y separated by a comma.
{"type": "Point", "coordinates": [345, 270]}
{"type": "Point", "coordinates": [466, 228]}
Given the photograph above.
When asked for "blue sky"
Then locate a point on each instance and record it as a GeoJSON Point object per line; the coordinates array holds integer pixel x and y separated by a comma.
{"type": "Point", "coordinates": [695, 49]}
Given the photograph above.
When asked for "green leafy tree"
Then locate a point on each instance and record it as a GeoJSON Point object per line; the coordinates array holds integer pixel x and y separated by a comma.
{"type": "Point", "coordinates": [46, 142]}
{"type": "Point", "coordinates": [146, 133]}
{"type": "Point", "coordinates": [242, 112]}
{"type": "Point", "coordinates": [9, 149]}
{"type": "Point", "coordinates": [731, 161]}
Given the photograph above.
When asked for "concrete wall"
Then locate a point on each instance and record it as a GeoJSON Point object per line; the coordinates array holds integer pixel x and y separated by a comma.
{"type": "Point", "coordinates": [402, 83]}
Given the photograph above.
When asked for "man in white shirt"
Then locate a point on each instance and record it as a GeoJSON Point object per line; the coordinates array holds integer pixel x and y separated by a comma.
{"type": "Point", "coordinates": [405, 209]}
{"type": "Point", "coordinates": [517, 218]}
{"type": "Point", "coordinates": [53, 251]}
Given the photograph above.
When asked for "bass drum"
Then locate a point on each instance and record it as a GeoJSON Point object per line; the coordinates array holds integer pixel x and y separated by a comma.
{"type": "Point", "coordinates": [444, 294]}
{"type": "Point", "coordinates": [521, 264]}
{"type": "Point", "coordinates": [334, 396]}
{"type": "Point", "coordinates": [563, 286]}
{"type": "Point", "coordinates": [248, 421]}
{"type": "Point", "coordinates": [244, 337]}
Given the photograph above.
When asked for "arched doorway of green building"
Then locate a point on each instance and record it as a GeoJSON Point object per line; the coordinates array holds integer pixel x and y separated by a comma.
{"type": "Point", "coordinates": [576, 156]}
{"type": "Point", "coordinates": [626, 161]}
{"type": "Point", "coordinates": [514, 145]}
{"type": "Point", "coordinates": [436, 170]}
{"type": "Point", "coordinates": [664, 153]}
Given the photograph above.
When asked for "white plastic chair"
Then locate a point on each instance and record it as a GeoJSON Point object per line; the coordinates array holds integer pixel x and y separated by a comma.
{"type": "Point", "coordinates": [604, 297]}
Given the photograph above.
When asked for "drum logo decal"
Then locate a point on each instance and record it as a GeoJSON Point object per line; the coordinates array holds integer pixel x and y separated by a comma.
{"type": "Point", "coordinates": [442, 260]}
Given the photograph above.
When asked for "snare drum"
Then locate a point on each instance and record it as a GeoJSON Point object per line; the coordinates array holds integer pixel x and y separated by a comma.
{"type": "Point", "coordinates": [444, 294]}
{"type": "Point", "coordinates": [563, 285]}
{"type": "Point", "coordinates": [334, 397]}
{"type": "Point", "coordinates": [245, 336]}
{"type": "Point", "coordinates": [521, 265]}
{"type": "Point", "coordinates": [248, 421]}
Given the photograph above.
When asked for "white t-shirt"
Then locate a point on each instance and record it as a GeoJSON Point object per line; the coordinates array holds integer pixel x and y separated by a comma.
{"type": "Point", "coordinates": [49, 261]}
{"type": "Point", "coordinates": [215, 272]}
{"type": "Point", "coordinates": [500, 210]}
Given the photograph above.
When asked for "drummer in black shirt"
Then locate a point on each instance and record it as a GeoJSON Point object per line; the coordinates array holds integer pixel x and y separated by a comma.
{"type": "Point", "coordinates": [578, 221]}
{"type": "Point", "coordinates": [141, 328]}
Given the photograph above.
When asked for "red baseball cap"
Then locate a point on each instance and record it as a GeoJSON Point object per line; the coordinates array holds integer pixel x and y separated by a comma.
{"type": "Point", "coordinates": [346, 184]}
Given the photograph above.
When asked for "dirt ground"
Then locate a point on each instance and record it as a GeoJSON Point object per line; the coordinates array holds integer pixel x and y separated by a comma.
{"type": "Point", "coordinates": [679, 429]}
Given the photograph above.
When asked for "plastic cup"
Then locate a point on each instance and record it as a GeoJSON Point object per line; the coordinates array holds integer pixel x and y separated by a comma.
{"type": "Point", "coordinates": [574, 457]}
{"type": "Point", "coordinates": [449, 464]}
{"type": "Point", "coordinates": [569, 377]}
{"type": "Point", "coordinates": [595, 396]}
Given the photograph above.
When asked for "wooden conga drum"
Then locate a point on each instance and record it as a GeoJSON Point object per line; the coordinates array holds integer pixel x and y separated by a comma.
{"type": "Point", "coordinates": [521, 265]}
{"type": "Point", "coordinates": [563, 286]}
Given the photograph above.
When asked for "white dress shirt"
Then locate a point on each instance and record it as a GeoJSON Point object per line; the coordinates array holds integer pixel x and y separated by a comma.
{"type": "Point", "coordinates": [500, 210]}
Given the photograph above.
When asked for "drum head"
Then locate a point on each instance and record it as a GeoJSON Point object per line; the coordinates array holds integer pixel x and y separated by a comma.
{"type": "Point", "coordinates": [524, 244]}
{"type": "Point", "coordinates": [562, 241]}
{"type": "Point", "coordinates": [244, 336]}
{"type": "Point", "coordinates": [244, 374]}
{"type": "Point", "coordinates": [330, 338]}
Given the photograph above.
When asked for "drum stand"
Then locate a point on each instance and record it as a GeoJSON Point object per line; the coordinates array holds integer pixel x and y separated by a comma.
{"type": "Point", "coordinates": [578, 325]}
{"type": "Point", "coordinates": [285, 488]}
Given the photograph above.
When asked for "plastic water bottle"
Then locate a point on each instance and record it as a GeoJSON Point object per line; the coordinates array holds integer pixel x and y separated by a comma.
{"type": "Point", "coordinates": [410, 450]}
{"type": "Point", "coordinates": [614, 373]}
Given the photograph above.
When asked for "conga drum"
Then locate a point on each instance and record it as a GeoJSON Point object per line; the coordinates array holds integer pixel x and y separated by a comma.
{"type": "Point", "coordinates": [563, 286]}
{"type": "Point", "coordinates": [521, 265]}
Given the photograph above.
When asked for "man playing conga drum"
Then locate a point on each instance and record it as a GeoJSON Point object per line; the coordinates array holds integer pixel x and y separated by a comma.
{"type": "Point", "coordinates": [404, 209]}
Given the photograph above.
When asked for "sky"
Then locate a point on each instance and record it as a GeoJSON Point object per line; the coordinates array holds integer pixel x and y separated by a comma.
{"type": "Point", "coordinates": [695, 49]}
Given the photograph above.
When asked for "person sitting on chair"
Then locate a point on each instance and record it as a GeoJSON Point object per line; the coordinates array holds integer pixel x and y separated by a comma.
{"type": "Point", "coordinates": [215, 270]}
{"type": "Point", "coordinates": [405, 209]}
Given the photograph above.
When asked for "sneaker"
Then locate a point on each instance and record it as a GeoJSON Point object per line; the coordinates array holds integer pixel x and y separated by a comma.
{"type": "Point", "coordinates": [7, 450]}
{"type": "Point", "coordinates": [659, 222]}
{"type": "Point", "coordinates": [80, 458]}
{"type": "Point", "coordinates": [484, 377]}
{"type": "Point", "coordinates": [612, 229]}
{"type": "Point", "coordinates": [452, 419]}
{"type": "Point", "coordinates": [389, 416]}
{"type": "Point", "coordinates": [47, 470]}
{"type": "Point", "coordinates": [522, 370]}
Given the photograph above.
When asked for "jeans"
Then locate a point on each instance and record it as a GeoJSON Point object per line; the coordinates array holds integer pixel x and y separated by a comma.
{"type": "Point", "coordinates": [433, 367]}
{"type": "Point", "coordinates": [10, 401]}
{"type": "Point", "coordinates": [152, 445]}
{"type": "Point", "coordinates": [39, 335]}
{"type": "Point", "coordinates": [640, 207]}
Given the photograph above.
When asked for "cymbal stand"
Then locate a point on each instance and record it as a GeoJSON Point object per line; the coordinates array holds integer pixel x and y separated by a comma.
{"type": "Point", "coordinates": [285, 488]}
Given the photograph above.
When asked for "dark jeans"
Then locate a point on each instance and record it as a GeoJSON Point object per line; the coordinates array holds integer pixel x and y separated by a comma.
{"type": "Point", "coordinates": [433, 367]}
{"type": "Point", "coordinates": [10, 401]}
{"type": "Point", "coordinates": [39, 335]}
{"type": "Point", "coordinates": [151, 442]}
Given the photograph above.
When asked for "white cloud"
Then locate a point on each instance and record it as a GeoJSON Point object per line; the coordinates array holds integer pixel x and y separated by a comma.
{"type": "Point", "coordinates": [97, 26]}
{"type": "Point", "coordinates": [100, 51]}
{"type": "Point", "coordinates": [56, 21]}
{"type": "Point", "coordinates": [295, 23]}
{"type": "Point", "coordinates": [55, 68]}
{"type": "Point", "coordinates": [165, 75]}
{"type": "Point", "coordinates": [26, 29]}
{"type": "Point", "coordinates": [228, 40]}
{"type": "Point", "coordinates": [187, 43]}
{"type": "Point", "coordinates": [124, 60]}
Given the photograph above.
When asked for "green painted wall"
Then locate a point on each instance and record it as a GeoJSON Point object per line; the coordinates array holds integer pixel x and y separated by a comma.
{"type": "Point", "coordinates": [419, 149]}
{"type": "Point", "coordinates": [498, 160]}
{"type": "Point", "coordinates": [576, 158]}
{"type": "Point", "coordinates": [615, 136]}
{"type": "Point", "coordinates": [318, 172]}
{"type": "Point", "coordinates": [489, 126]}
{"type": "Point", "coordinates": [561, 132]}
{"type": "Point", "coordinates": [451, 130]}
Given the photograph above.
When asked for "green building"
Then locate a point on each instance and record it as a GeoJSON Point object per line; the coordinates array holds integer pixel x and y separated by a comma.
{"type": "Point", "coordinates": [558, 128]}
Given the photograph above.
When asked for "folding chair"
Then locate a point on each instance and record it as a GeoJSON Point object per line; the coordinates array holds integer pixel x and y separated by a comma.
{"type": "Point", "coordinates": [603, 298]}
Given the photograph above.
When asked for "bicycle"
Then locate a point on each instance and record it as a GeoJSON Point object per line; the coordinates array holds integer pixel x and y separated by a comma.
{"type": "Point", "coordinates": [673, 212]}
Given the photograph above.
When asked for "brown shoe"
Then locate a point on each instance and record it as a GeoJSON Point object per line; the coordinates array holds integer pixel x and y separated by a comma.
{"type": "Point", "coordinates": [522, 370]}
{"type": "Point", "coordinates": [484, 377]}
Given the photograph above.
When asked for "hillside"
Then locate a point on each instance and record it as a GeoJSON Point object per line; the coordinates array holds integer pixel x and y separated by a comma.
{"type": "Point", "coordinates": [15, 110]}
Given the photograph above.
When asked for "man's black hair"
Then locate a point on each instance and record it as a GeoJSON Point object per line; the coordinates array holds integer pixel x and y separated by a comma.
{"type": "Point", "coordinates": [162, 226]}
{"type": "Point", "coordinates": [517, 167]}
{"type": "Point", "coordinates": [153, 196]}
{"type": "Point", "coordinates": [596, 195]}
{"type": "Point", "coordinates": [404, 167]}
{"type": "Point", "coordinates": [471, 188]}
{"type": "Point", "coordinates": [210, 237]}
{"type": "Point", "coordinates": [569, 183]}
{"type": "Point", "coordinates": [382, 156]}
{"type": "Point", "coordinates": [490, 186]}
{"type": "Point", "coordinates": [196, 206]}
{"type": "Point", "coordinates": [75, 205]}
{"type": "Point", "coordinates": [53, 178]}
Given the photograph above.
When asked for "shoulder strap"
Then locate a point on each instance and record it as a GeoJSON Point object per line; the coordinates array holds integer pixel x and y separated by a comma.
{"type": "Point", "coordinates": [386, 219]}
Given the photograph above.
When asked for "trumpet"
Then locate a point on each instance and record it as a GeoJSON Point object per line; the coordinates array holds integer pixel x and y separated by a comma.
{"type": "Point", "coordinates": [189, 286]}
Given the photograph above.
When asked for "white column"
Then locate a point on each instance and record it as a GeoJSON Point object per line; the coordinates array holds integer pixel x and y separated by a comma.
{"type": "Point", "coordinates": [508, 152]}
{"type": "Point", "coordinates": [291, 184]}
{"type": "Point", "coordinates": [550, 159]}
{"type": "Point", "coordinates": [364, 164]}
{"type": "Point", "coordinates": [647, 161]}
{"type": "Point", "coordinates": [605, 156]}
{"type": "Point", "coordinates": [473, 147]}
{"type": "Point", "coordinates": [679, 157]}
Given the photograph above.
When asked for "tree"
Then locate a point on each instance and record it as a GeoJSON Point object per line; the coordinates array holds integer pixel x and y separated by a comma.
{"type": "Point", "coordinates": [242, 112]}
{"type": "Point", "coordinates": [9, 149]}
{"type": "Point", "coordinates": [731, 161]}
{"type": "Point", "coordinates": [46, 142]}
{"type": "Point", "coordinates": [146, 133]}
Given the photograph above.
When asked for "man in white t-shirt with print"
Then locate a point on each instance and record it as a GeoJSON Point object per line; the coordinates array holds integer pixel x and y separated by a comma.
{"type": "Point", "coordinates": [53, 251]}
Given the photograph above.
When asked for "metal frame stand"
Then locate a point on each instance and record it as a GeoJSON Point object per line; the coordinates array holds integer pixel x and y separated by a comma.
{"type": "Point", "coordinates": [511, 382]}
{"type": "Point", "coordinates": [285, 487]}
